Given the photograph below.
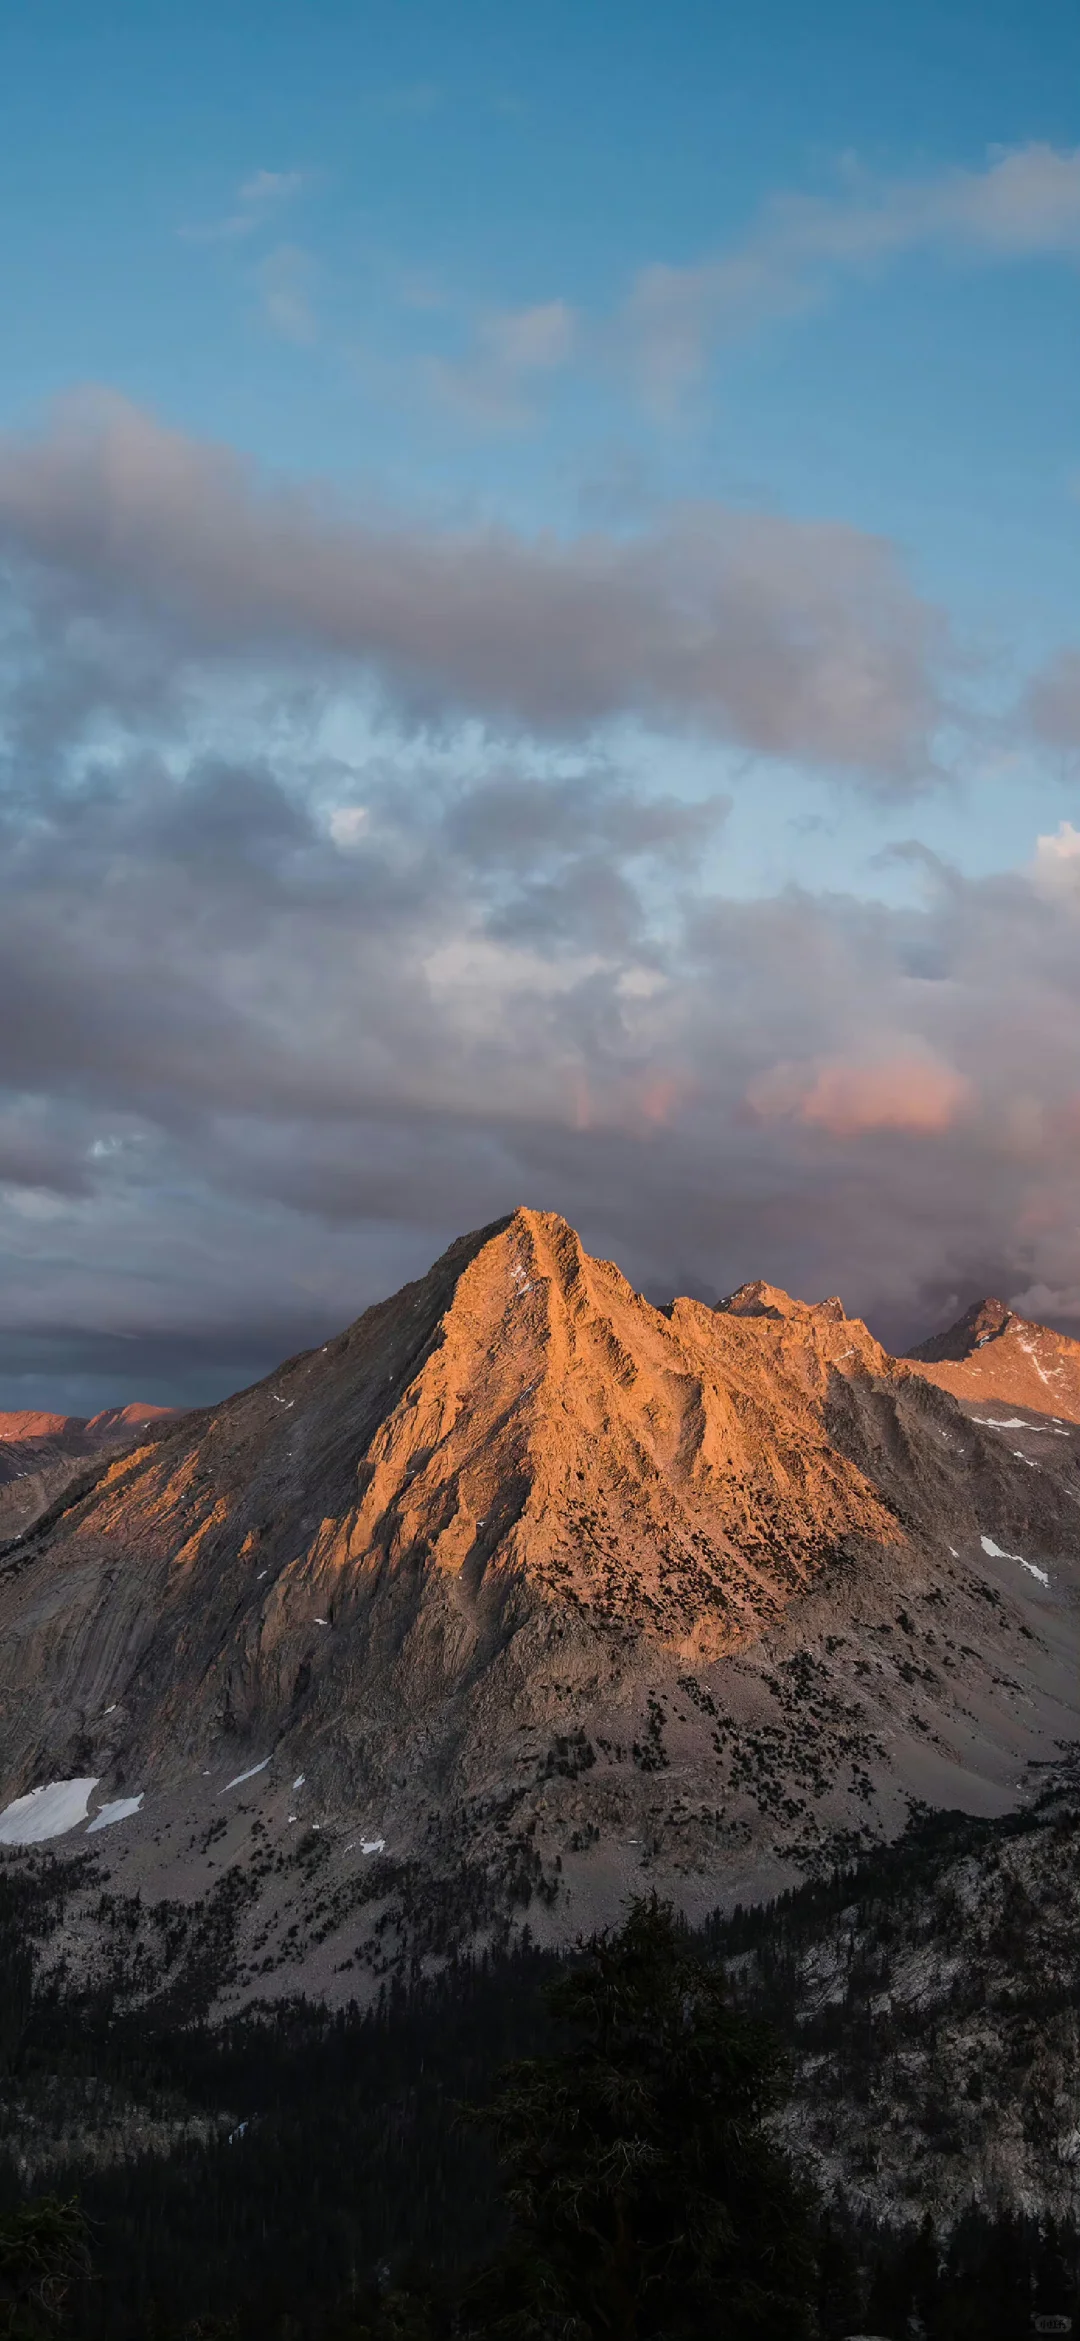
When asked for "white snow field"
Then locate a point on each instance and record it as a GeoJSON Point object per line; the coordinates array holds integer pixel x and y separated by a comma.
{"type": "Point", "coordinates": [46, 1812]}
{"type": "Point", "coordinates": [248, 1775]}
{"type": "Point", "coordinates": [120, 1809]}
{"type": "Point", "coordinates": [996, 1554]}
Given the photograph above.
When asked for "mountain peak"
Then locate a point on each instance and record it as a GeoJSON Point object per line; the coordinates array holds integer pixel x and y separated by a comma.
{"type": "Point", "coordinates": [136, 1415]}
{"type": "Point", "coordinates": [518, 1435]}
{"type": "Point", "coordinates": [527, 1585]}
{"type": "Point", "coordinates": [986, 1320]}
{"type": "Point", "coordinates": [769, 1300]}
{"type": "Point", "coordinates": [32, 1423]}
{"type": "Point", "coordinates": [992, 1356]}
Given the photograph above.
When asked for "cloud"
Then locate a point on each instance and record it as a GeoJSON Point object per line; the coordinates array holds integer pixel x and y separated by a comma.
{"type": "Point", "coordinates": [795, 638]}
{"type": "Point", "coordinates": [1024, 203]}
{"type": "Point", "coordinates": [1056, 864]}
{"type": "Point", "coordinates": [905, 1091]}
{"type": "Point", "coordinates": [275, 1029]}
{"type": "Point", "coordinates": [511, 350]}
{"type": "Point", "coordinates": [294, 990]}
{"type": "Point", "coordinates": [258, 199]}
{"type": "Point", "coordinates": [347, 824]}
{"type": "Point", "coordinates": [286, 281]}
{"type": "Point", "coordinates": [1052, 701]}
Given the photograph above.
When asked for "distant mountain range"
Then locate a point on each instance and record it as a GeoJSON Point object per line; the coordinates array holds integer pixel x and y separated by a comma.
{"type": "Point", "coordinates": [61, 1429]}
{"type": "Point", "coordinates": [41, 1454]}
{"type": "Point", "coordinates": [521, 1594]}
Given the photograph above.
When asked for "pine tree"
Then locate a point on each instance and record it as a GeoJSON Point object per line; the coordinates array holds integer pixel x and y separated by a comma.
{"type": "Point", "coordinates": [43, 2252]}
{"type": "Point", "coordinates": [648, 2200]}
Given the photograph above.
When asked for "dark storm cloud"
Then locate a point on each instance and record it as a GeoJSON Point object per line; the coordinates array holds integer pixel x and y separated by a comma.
{"type": "Point", "coordinates": [793, 637]}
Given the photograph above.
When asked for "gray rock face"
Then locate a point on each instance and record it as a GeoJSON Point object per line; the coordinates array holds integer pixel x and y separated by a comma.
{"type": "Point", "coordinates": [934, 2004]}
{"type": "Point", "coordinates": [522, 1593]}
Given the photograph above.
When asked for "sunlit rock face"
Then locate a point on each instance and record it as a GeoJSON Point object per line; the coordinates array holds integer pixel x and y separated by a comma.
{"type": "Point", "coordinates": [994, 1355]}
{"type": "Point", "coordinates": [43, 1454]}
{"type": "Point", "coordinates": [521, 1593]}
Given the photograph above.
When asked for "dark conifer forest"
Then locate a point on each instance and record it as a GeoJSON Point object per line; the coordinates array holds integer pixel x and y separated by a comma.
{"type": "Point", "coordinates": [297, 2173]}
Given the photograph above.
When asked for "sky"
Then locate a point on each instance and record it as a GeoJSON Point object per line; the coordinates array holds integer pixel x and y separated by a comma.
{"type": "Point", "coordinates": [539, 660]}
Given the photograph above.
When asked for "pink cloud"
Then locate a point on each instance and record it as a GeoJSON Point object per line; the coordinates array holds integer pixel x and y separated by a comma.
{"type": "Point", "coordinates": [908, 1091]}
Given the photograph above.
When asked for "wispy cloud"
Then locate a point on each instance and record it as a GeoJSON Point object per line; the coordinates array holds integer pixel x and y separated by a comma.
{"type": "Point", "coordinates": [287, 280]}
{"type": "Point", "coordinates": [1024, 202]}
{"type": "Point", "coordinates": [258, 200]}
{"type": "Point", "coordinates": [512, 350]}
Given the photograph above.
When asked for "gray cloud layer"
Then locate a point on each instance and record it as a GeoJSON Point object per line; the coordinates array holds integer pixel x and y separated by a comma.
{"type": "Point", "coordinates": [278, 1024]}
{"type": "Point", "coordinates": [792, 637]}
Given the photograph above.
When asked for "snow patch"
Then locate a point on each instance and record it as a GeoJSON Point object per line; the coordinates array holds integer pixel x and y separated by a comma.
{"type": "Point", "coordinates": [996, 1554]}
{"type": "Point", "coordinates": [120, 1809]}
{"type": "Point", "coordinates": [1015, 1422]}
{"type": "Point", "coordinates": [46, 1812]}
{"type": "Point", "coordinates": [373, 1845]}
{"type": "Point", "coordinates": [248, 1775]}
{"type": "Point", "coordinates": [299, 1780]}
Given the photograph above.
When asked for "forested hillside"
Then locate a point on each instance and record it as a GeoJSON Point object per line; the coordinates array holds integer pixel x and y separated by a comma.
{"type": "Point", "coordinates": [283, 2169]}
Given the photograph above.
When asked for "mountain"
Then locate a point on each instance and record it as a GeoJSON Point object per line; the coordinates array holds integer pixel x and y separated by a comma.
{"type": "Point", "coordinates": [991, 1356]}
{"type": "Point", "coordinates": [135, 1416]}
{"type": "Point", "coordinates": [29, 1424]}
{"type": "Point", "coordinates": [71, 1429]}
{"type": "Point", "coordinates": [41, 1454]}
{"type": "Point", "coordinates": [767, 1300]}
{"type": "Point", "coordinates": [522, 1594]}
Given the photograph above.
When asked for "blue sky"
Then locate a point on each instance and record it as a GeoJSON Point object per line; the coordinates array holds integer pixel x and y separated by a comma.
{"type": "Point", "coordinates": [417, 177]}
{"type": "Point", "coordinates": [765, 310]}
